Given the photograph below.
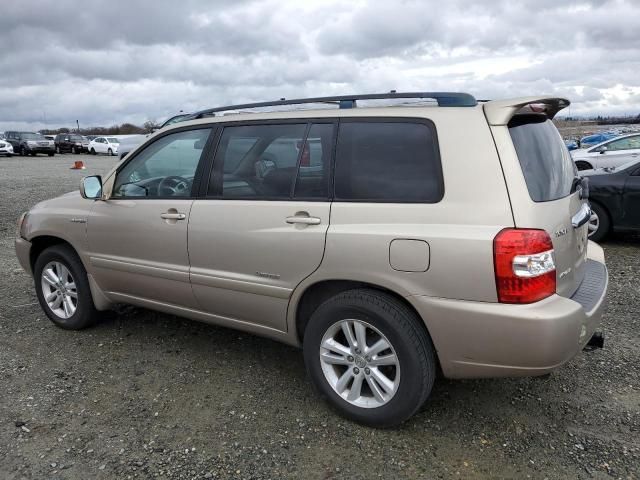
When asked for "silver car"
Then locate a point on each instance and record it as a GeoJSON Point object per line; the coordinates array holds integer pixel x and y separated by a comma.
{"type": "Point", "coordinates": [390, 243]}
{"type": "Point", "coordinates": [612, 153]}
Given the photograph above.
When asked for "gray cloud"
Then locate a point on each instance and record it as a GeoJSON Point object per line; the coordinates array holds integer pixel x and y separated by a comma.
{"type": "Point", "coordinates": [109, 62]}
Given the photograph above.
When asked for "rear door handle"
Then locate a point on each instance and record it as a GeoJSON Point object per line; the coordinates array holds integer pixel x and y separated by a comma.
{"type": "Point", "coordinates": [173, 216]}
{"type": "Point", "coordinates": [305, 220]}
{"type": "Point", "coordinates": [634, 155]}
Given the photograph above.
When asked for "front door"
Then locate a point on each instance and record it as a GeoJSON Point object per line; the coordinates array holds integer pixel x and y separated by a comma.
{"type": "Point", "coordinates": [261, 230]}
{"type": "Point", "coordinates": [138, 237]}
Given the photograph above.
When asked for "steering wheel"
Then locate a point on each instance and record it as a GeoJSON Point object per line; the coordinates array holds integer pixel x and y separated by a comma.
{"type": "Point", "coordinates": [174, 186]}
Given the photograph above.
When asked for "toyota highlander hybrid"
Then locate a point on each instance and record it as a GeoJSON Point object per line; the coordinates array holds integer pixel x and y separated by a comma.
{"type": "Point", "coordinates": [437, 235]}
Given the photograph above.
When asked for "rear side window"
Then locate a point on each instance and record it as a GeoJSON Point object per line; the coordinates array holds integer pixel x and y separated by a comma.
{"type": "Point", "coordinates": [545, 161]}
{"type": "Point", "coordinates": [388, 162]}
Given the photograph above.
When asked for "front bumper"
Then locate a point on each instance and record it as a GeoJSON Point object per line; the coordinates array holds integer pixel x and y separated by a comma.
{"type": "Point", "coordinates": [40, 149]}
{"type": "Point", "coordinates": [23, 250]}
{"type": "Point", "coordinates": [476, 339]}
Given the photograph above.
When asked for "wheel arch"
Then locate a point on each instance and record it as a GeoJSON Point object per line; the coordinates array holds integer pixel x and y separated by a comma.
{"type": "Point", "coordinates": [316, 293]}
{"type": "Point", "coordinates": [40, 243]}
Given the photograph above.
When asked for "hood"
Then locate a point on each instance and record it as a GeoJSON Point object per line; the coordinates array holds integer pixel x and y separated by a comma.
{"type": "Point", "coordinates": [62, 200]}
{"type": "Point", "coordinates": [580, 152]}
{"type": "Point", "coordinates": [594, 172]}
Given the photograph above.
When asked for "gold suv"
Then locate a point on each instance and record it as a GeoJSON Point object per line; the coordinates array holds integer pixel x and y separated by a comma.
{"type": "Point", "coordinates": [391, 236]}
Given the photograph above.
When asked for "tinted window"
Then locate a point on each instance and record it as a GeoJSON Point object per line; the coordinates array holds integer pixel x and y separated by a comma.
{"type": "Point", "coordinates": [257, 161]}
{"type": "Point", "coordinates": [388, 162]}
{"type": "Point", "coordinates": [545, 161]}
{"type": "Point", "coordinates": [165, 168]}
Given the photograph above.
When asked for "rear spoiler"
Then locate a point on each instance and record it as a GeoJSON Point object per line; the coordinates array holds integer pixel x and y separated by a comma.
{"type": "Point", "coordinates": [499, 112]}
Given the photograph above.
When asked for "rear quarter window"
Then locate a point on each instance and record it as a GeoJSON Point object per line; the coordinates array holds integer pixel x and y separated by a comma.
{"type": "Point", "coordinates": [545, 161]}
{"type": "Point", "coordinates": [388, 161]}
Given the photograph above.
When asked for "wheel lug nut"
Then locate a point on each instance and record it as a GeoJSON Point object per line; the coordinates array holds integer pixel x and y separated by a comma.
{"type": "Point", "coordinates": [356, 370]}
{"type": "Point", "coordinates": [350, 358]}
{"type": "Point", "coordinates": [367, 371]}
{"type": "Point", "coordinates": [367, 358]}
{"type": "Point", "coordinates": [358, 351]}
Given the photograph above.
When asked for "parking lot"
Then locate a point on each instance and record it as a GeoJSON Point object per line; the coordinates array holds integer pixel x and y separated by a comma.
{"type": "Point", "coordinates": [148, 395]}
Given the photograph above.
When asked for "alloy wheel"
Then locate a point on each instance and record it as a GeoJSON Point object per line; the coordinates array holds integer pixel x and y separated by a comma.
{"type": "Point", "coordinates": [594, 224]}
{"type": "Point", "coordinates": [359, 363]}
{"type": "Point", "coordinates": [59, 289]}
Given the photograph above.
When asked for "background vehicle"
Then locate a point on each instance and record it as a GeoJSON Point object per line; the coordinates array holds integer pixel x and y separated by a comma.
{"type": "Point", "coordinates": [611, 153]}
{"type": "Point", "coordinates": [107, 145]}
{"type": "Point", "coordinates": [596, 138]}
{"type": "Point", "coordinates": [614, 195]}
{"type": "Point", "coordinates": [71, 142]}
{"type": "Point", "coordinates": [6, 148]}
{"type": "Point", "coordinates": [330, 229]}
{"type": "Point", "coordinates": [29, 143]}
{"type": "Point", "coordinates": [571, 144]}
{"type": "Point", "coordinates": [132, 141]}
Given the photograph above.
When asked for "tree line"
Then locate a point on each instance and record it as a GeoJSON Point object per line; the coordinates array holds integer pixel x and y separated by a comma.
{"type": "Point", "coordinates": [122, 129]}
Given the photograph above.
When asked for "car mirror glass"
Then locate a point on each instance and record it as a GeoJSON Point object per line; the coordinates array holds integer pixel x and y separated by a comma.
{"type": "Point", "coordinates": [91, 187]}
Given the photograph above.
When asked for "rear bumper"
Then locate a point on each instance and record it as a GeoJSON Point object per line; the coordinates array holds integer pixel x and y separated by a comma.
{"type": "Point", "coordinates": [476, 339]}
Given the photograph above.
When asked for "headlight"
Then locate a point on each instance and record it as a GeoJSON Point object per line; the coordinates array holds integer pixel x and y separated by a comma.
{"type": "Point", "coordinates": [21, 224]}
{"type": "Point", "coordinates": [78, 144]}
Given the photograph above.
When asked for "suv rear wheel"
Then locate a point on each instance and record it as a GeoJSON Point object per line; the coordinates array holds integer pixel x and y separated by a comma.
{"type": "Point", "coordinates": [63, 289]}
{"type": "Point", "coordinates": [367, 353]}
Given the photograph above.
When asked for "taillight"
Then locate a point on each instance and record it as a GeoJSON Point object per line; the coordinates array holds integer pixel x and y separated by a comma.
{"type": "Point", "coordinates": [524, 265]}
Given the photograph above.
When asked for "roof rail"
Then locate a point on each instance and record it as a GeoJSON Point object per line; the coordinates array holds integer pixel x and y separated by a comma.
{"type": "Point", "coordinates": [444, 99]}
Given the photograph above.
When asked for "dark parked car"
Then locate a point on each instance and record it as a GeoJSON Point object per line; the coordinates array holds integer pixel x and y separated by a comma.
{"type": "Point", "coordinates": [71, 142]}
{"type": "Point", "coordinates": [614, 195]}
{"type": "Point", "coordinates": [29, 143]}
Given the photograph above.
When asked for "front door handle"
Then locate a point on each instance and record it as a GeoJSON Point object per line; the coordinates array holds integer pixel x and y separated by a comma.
{"type": "Point", "coordinates": [304, 220]}
{"type": "Point", "coordinates": [173, 216]}
{"type": "Point", "coordinates": [634, 155]}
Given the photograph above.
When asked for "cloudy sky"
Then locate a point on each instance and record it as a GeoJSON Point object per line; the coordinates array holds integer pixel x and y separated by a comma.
{"type": "Point", "coordinates": [109, 62]}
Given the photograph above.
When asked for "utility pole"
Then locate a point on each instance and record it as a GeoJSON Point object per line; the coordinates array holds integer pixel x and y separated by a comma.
{"type": "Point", "coordinates": [78, 124]}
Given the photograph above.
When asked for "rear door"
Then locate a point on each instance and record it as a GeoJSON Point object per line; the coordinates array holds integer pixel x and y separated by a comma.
{"type": "Point", "coordinates": [540, 175]}
{"type": "Point", "coordinates": [261, 230]}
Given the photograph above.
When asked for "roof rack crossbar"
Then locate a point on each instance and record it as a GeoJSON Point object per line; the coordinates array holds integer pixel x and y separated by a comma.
{"type": "Point", "coordinates": [444, 99]}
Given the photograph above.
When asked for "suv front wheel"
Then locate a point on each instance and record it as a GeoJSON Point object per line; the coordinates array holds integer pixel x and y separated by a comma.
{"type": "Point", "coordinates": [63, 289]}
{"type": "Point", "coordinates": [368, 355]}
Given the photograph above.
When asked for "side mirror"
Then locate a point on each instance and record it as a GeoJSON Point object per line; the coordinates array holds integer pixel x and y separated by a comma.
{"type": "Point", "coordinates": [602, 150]}
{"type": "Point", "coordinates": [91, 187]}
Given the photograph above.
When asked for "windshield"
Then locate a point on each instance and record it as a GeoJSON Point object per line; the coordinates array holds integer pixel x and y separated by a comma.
{"type": "Point", "coordinates": [546, 163]}
{"type": "Point", "coordinates": [113, 140]}
{"type": "Point", "coordinates": [77, 138]}
{"type": "Point", "coordinates": [32, 136]}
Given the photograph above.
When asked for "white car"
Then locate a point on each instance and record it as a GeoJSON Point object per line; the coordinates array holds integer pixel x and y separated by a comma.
{"type": "Point", "coordinates": [6, 148]}
{"type": "Point", "coordinates": [108, 145]}
{"type": "Point", "coordinates": [612, 153]}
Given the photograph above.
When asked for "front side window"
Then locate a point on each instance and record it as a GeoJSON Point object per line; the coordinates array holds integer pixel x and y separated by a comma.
{"type": "Point", "coordinates": [628, 143]}
{"type": "Point", "coordinates": [165, 168]}
{"type": "Point", "coordinates": [257, 161]}
{"type": "Point", "coordinates": [388, 162]}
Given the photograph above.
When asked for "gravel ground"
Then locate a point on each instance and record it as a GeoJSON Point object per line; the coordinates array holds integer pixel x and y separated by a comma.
{"type": "Point", "coordinates": [148, 395]}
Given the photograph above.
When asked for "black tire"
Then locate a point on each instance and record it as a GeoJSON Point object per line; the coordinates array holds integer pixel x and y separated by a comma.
{"type": "Point", "coordinates": [86, 313]}
{"type": "Point", "coordinates": [403, 329]}
{"type": "Point", "coordinates": [110, 152]}
{"type": "Point", "coordinates": [23, 151]}
{"type": "Point", "coordinates": [582, 165]}
{"type": "Point", "coordinates": [93, 151]}
{"type": "Point", "coordinates": [51, 154]}
{"type": "Point", "coordinates": [604, 223]}
{"type": "Point", "coordinates": [58, 149]}
{"type": "Point", "coordinates": [73, 150]}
